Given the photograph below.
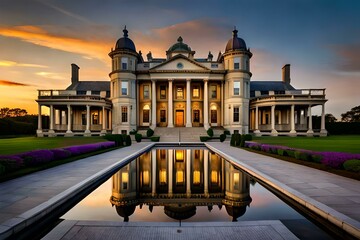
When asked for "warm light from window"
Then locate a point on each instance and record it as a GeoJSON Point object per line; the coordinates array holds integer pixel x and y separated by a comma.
{"type": "Point", "coordinates": [162, 177]}
{"type": "Point", "coordinates": [196, 179]}
{"type": "Point", "coordinates": [179, 176]}
{"type": "Point", "coordinates": [125, 177]}
{"type": "Point", "coordinates": [214, 176]}
{"type": "Point", "coordinates": [146, 178]}
{"type": "Point", "coordinates": [179, 155]}
{"type": "Point", "coordinates": [236, 179]}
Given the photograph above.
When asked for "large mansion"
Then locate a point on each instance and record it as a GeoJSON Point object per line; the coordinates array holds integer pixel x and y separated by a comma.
{"type": "Point", "coordinates": [180, 90]}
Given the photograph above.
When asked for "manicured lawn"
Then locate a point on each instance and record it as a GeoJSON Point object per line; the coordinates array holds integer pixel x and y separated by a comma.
{"type": "Point", "coordinates": [346, 143]}
{"type": "Point", "coordinates": [24, 144]}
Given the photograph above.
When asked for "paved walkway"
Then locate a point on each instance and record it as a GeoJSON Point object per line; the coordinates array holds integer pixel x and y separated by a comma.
{"type": "Point", "coordinates": [334, 197]}
{"type": "Point", "coordinates": [25, 199]}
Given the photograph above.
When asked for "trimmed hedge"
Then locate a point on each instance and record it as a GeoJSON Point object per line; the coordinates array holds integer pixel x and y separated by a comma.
{"type": "Point", "coordinates": [155, 138]}
{"type": "Point", "coordinates": [210, 132]}
{"type": "Point", "coordinates": [352, 165]}
{"type": "Point", "coordinates": [204, 138]}
{"type": "Point", "coordinates": [117, 138]}
{"type": "Point", "coordinates": [222, 137]}
{"type": "Point", "coordinates": [138, 137]}
{"type": "Point", "coordinates": [149, 132]}
{"type": "Point", "coordinates": [227, 132]}
{"type": "Point", "coordinates": [128, 140]}
{"type": "Point", "coordinates": [133, 132]}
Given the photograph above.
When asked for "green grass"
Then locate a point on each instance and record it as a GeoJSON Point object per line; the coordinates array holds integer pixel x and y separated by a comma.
{"type": "Point", "coordinates": [24, 144]}
{"type": "Point", "coordinates": [339, 143]}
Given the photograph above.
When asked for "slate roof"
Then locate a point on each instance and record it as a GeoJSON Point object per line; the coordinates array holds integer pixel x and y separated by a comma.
{"type": "Point", "coordinates": [270, 86]}
{"type": "Point", "coordinates": [90, 86]}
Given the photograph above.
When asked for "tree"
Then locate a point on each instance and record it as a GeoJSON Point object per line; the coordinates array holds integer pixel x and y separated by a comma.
{"type": "Point", "coordinates": [351, 116]}
{"type": "Point", "coordinates": [12, 112]}
{"type": "Point", "coordinates": [330, 118]}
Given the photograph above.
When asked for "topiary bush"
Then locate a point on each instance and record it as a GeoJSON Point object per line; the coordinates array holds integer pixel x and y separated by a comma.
{"type": "Point", "coordinates": [232, 140]}
{"type": "Point", "coordinates": [117, 138]}
{"type": "Point", "coordinates": [149, 132]}
{"type": "Point", "coordinates": [133, 132]}
{"type": "Point", "coordinates": [237, 139]}
{"type": "Point", "coordinates": [138, 137]}
{"type": "Point", "coordinates": [226, 132]}
{"type": "Point", "coordinates": [204, 138]}
{"type": "Point", "coordinates": [128, 140]}
{"type": "Point", "coordinates": [247, 137]}
{"type": "Point", "coordinates": [352, 165]}
{"type": "Point", "coordinates": [155, 138]}
{"type": "Point", "coordinates": [222, 137]}
{"type": "Point", "coordinates": [210, 132]}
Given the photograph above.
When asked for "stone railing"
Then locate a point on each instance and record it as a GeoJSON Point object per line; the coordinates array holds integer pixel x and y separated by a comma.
{"type": "Point", "coordinates": [69, 94]}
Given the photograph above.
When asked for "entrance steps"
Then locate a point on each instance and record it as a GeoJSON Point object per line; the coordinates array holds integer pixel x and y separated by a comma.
{"type": "Point", "coordinates": [180, 134]}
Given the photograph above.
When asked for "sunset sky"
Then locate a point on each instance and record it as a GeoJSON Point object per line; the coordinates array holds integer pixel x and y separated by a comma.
{"type": "Point", "coordinates": [39, 39]}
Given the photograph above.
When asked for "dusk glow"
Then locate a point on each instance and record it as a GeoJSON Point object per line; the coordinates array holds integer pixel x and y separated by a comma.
{"type": "Point", "coordinates": [39, 40]}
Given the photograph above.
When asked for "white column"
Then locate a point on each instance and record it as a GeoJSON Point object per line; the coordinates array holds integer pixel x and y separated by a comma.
{"type": "Point", "coordinates": [310, 131]}
{"type": "Point", "coordinates": [206, 105]}
{"type": "Point", "coordinates": [222, 102]}
{"type": "Point", "coordinates": [171, 167]}
{"type": "Point", "coordinates": [87, 131]}
{"type": "Point", "coordinates": [39, 118]}
{"type": "Point", "coordinates": [323, 131]}
{"type": "Point", "coordinates": [292, 121]}
{"type": "Point", "coordinates": [170, 105]}
{"type": "Point", "coordinates": [104, 120]}
{"type": "Point", "coordinates": [188, 173]}
{"type": "Point", "coordinates": [257, 131]}
{"type": "Point", "coordinates": [153, 172]}
{"type": "Point", "coordinates": [153, 105]}
{"type": "Point", "coordinates": [51, 118]}
{"type": "Point", "coordinates": [206, 173]}
{"type": "Point", "coordinates": [273, 130]}
{"type": "Point", "coordinates": [188, 104]}
{"type": "Point", "coordinates": [69, 132]}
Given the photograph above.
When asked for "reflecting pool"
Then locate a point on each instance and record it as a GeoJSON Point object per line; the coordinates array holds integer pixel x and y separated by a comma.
{"type": "Point", "coordinates": [165, 185]}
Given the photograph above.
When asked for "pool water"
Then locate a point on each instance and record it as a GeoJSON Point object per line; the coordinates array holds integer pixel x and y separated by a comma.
{"type": "Point", "coordinates": [165, 185]}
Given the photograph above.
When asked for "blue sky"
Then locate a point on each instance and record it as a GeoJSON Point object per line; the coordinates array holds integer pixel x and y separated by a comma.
{"type": "Point", "coordinates": [39, 40]}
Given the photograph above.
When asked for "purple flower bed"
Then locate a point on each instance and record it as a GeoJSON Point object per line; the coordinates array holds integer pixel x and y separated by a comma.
{"type": "Point", "coordinates": [331, 159]}
{"type": "Point", "coordinates": [36, 157]}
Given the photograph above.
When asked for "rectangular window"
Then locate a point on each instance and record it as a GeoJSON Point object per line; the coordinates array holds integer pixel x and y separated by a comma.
{"type": "Point", "coordinates": [236, 88]}
{"type": "Point", "coordinates": [95, 118]}
{"type": "Point", "coordinates": [83, 118]}
{"type": "Point", "coordinates": [236, 114]}
{"type": "Point", "coordinates": [124, 114]}
{"type": "Point", "coordinates": [179, 93]}
{"type": "Point", "coordinates": [124, 62]}
{"type": "Point", "coordinates": [146, 92]}
{"type": "Point", "coordinates": [213, 93]}
{"type": "Point", "coordinates": [162, 116]}
{"type": "Point", "coordinates": [146, 115]}
{"type": "Point", "coordinates": [237, 63]}
{"type": "Point", "coordinates": [196, 92]}
{"type": "Point", "coordinates": [162, 92]}
{"type": "Point", "coordinates": [124, 88]}
{"type": "Point", "coordinates": [213, 114]}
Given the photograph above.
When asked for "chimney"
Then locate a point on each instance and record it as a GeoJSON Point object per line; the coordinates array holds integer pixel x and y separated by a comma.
{"type": "Point", "coordinates": [286, 73]}
{"type": "Point", "coordinates": [74, 73]}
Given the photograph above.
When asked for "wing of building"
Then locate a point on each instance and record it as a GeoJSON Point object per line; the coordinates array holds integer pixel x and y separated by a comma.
{"type": "Point", "coordinates": [180, 90]}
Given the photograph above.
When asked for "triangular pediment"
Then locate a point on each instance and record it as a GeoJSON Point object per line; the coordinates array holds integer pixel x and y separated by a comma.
{"type": "Point", "coordinates": [180, 63]}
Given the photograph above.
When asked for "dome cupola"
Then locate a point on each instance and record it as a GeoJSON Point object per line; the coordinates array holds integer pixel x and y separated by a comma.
{"type": "Point", "coordinates": [179, 46]}
{"type": "Point", "coordinates": [125, 42]}
{"type": "Point", "coordinates": [235, 43]}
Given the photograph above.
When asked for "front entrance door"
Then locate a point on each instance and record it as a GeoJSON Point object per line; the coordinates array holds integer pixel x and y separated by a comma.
{"type": "Point", "coordinates": [179, 118]}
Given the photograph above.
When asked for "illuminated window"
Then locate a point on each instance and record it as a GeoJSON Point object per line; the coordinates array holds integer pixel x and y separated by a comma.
{"type": "Point", "coordinates": [124, 114]}
{"type": "Point", "coordinates": [236, 88]}
{"type": "Point", "coordinates": [236, 114]}
{"type": "Point", "coordinates": [237, 63]}
{"type": "Point", "coordinates": [196, 92]}
{"type": "Point", "coordinates": [196, 177]}
{"type": "Point", "coordinates": [179, 93]}
{"type": "Point", "coordinates": [95, 118]}
{"type": "Point", "coordinates": [179, 155]}
{"type": "Point", "coordinates": [214, 177]}
{"type": "Point", "coordinates": [124, 88]}
{"type": "Point", "coordinates": [146, 178]}
{"type": "Point", "coordinates": [162, 177]}
{"type": "Point", "coordinates": [179, 177]}
{"type": "Point", "coordinates": [124, 180]}
{"type": "Point", "coordinates": [162, 92]}
{"type": "Point", "coordinates": [213, 93]}
{"type": "Point", "coordinates": [236, 180]}
{"type": "Point", "coordinates": [146, 92]}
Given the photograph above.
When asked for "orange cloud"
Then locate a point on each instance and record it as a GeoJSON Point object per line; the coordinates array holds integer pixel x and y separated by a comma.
{"type": "Point", "coordinates": [11, 83]}
{"type": "Point", "coordinates": [38, 36]}
{"type": "Point", "coordinates": [5, 63]}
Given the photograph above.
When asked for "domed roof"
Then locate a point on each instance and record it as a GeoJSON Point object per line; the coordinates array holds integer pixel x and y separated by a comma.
{"type": "Point", "coordinates": [180, 213]}
{"type": "Point", "coordinates": [235, 43]}
{"type": "Point", "coordinates": [125, 211]}
{"type": "Point", "coordinates": [179, 46]}
{"type": "Point", "coordinates": [125, 42]}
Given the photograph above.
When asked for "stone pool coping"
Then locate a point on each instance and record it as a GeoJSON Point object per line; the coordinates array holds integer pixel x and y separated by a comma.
{"type": "Point", "coordinates": [342, 221]}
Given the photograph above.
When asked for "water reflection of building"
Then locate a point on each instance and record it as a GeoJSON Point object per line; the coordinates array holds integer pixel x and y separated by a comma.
{"type": "Point", "coordinates": [180, 180]}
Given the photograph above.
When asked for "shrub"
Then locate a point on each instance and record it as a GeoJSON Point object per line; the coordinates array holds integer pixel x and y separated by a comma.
{"type": "Point", "coordinates": [316, 158]}
{"type": "Point", "coordinates": [237, 139]}
{"type": "Point", "coordinates": [149, 132]}
{"type": "Point", "coordinates": [281, 152]}
{"type": "Point", "coordinates": [138, 137]}
{"type": "Point", "coordinates": [204, 138]}
{"type": "Point", "coordinates": [290, 153]}
{"type": "Point", "coordinates": [305, 156]}
{"type": "Point", "coordinates": [133, 132]}
{"type": "Point", "coordinates": [336, 159]}
{"type": "Point", "coordinates": [155, 138]}
{"type": "Point", "coordinates": [222, 137]}
{"type": "Point", "coordinates": [297, 154]}
{"type": "Point", "coordinates": [247, 137]}
{"type": "Point", "coordinates": [60, 153]}
{"type": "Point", "coordinates": [117, 138]}
{"type": "Point", "coordinates": [226, 132]}
{"type": "Point", "coordinates": [11, 163]}
{"type": "Point", "coordinates": [128, 140]}
{"type": "Point", "coordinates": [352, 165]}
{"type": "Point", "coordinates": [232, 140]}
{"type": "Point", "coordinates": [210, 132]}
{"type": "Point", "coordinates": [37, 157]}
